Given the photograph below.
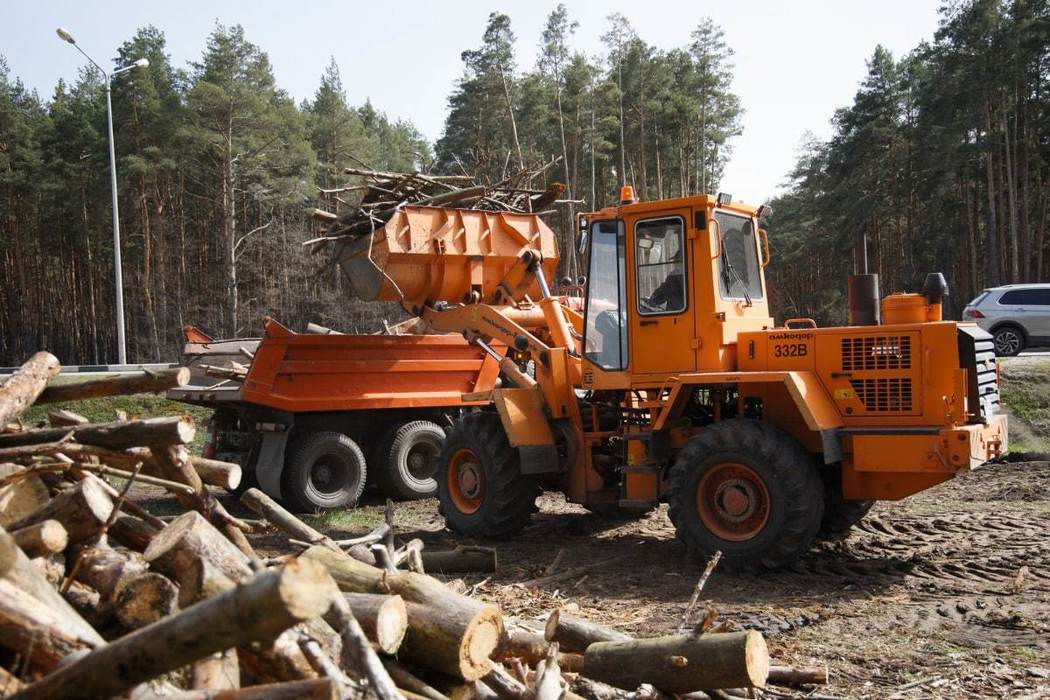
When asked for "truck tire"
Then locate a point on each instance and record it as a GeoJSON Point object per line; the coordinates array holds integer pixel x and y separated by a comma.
{"type": "Point", "coordinates": [749, 490]}
{"type": "Point", "coordinates": [480, 485]}
{"type": "Point", "coordinates": [323, 470]}
{"type": "Point", "coordinates": [406, 461]}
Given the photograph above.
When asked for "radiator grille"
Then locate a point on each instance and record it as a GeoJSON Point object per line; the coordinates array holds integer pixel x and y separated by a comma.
{"type": "Point", "coordinates": [883, 395]}
{"type": "Point", "coordinates": [876, 352]}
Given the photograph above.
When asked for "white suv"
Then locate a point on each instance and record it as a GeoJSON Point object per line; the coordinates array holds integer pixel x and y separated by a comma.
{"type": "Point", "coordinates": [1017, 315]}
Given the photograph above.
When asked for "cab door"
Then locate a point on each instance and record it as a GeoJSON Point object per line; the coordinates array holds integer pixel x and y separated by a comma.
{"type": "Point", "coordinates": [662, 340]}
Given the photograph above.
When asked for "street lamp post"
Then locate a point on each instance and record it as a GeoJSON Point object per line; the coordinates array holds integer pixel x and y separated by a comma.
{"type": "Point", "coordinates": [122, 349]}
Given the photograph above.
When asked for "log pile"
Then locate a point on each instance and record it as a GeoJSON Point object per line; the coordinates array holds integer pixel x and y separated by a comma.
{"type": "Point", "coordinates": [360, 208]}
{"type": "Point", "coordinates": [99, 597]}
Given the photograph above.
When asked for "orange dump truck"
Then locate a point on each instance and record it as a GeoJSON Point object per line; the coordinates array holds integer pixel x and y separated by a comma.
{"type": "Point", "coordinates": [317, 415]}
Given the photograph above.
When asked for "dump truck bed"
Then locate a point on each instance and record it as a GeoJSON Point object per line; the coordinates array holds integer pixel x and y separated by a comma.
{"type": "Point", "coordinates": [302, 373]}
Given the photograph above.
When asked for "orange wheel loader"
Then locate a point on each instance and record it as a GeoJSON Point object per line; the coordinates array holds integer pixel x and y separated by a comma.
{"type": "Point", "coordinates": [662, 377]}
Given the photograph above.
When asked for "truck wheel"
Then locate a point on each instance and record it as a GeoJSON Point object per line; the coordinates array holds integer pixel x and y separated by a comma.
{"type": "Point", "coordinates": [323, 470]}
{"type": "Point", "coordinates": [746, 488]}
{"type": "Point", "coordinates": [407, 460]}
{"type": "Point", "coordinates": [841, 514]}
{"type": "Point", "coordinates": [480, 485]}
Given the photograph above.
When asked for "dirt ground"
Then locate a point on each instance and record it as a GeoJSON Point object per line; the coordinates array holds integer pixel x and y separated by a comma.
{"type": "Point", "coordinates": [943, 595]}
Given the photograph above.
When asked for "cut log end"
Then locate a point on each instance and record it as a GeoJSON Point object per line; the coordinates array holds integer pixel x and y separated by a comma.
{"type": "Point", "coordinates": [480, 640]}
{"type": "Point", "coordinates": [146, 599]}
{"type": "Point", "coordinates": [756, 656]}
{"type": "Point", "coordinates": [43, 539]}
{"type": "Point", "coordinates": [305, 589]}
{"type": "Point", "coordinates": [391, 624]}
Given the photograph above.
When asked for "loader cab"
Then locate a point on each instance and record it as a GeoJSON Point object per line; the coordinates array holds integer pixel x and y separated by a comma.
{"type": "Point", "coordinates": [670, 284]}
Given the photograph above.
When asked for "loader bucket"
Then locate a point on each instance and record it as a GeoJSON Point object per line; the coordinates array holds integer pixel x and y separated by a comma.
{"type": "Point", "coordinates": [428, 254]}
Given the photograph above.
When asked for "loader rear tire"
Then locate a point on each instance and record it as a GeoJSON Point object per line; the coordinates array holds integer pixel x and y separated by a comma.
{"type": "Point", "coordinates": [406, 461]}
{"type": "Point", "coordinates": [323, 470]}
{"type": "Point", "coordinates": [747, 489]}
{"type": "Point", "coordinates": [481, 489]}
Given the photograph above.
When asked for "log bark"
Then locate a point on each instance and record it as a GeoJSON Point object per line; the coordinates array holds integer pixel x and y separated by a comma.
{"type": "Point", "coordinates": [8, 554]}
{"type": "Point", "coordinates": [23, 387]}
{"type": "Point", "coordinates": [447, 631]}
{"type": "Point", "coordinates": [406, 680]}
{"type": "Point", "coordinates": [117, 385]}
{"type": "Point", "coordinates": [190, 537]}
{"type": "Point", "coordinates": [531, 648]}
{"type": "Point", "coordinates": [82, 510]}
{"type": "Point", "coordinates": [576, 634]}
{"type": "Point", "coordinates": [382, 617]}
{"type": "Point", "coordinates": [506, 685]}
{"type": "Point", "coordinates": [267, 508]}
{"type": "Point", "coordinates": [262, 608]}
{"type": "Point", "coordinates": [791, 675]}
{"type": "Point", "coordinates": [22, 497]}
{"type": "Point", "coordinates": [146, 599]}
{"type": "Point", "coordinates": [174, 463]}
{"type": "Point", "coordinates": [213, 472]}
{"type": "Point", "coordinates": [220, 671]}
{"type": "Point", "coordinates": [8, 683]}
{"type": "Point", "coordinates": [312, 689]}
{"type": "Point", "coordinates": [462, 559]}
{"type": "Point", "coordinates": [38, 631]}
{"type": "Point", "coordinates": [358, 653]}
{"type": "Point", "coordinates": [22, 574]}
{"type": "Point", "coordinates": [42, 539]}
{"type": "Point", "coordinates": [279, 660]}
{"type": "Point", "coordinates": [132, 532]}
{"type": "Point", "coordinates": [459, 643]}
{"type": "Point", "coordinates": [681, 663]}
{"type": "Point", "coordinates": [119, 435]}
{"type": "Point", "coordinates": [64, 418]}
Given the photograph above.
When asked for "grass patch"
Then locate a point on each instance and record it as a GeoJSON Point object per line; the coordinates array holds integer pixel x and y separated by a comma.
{"type": "Point", "coordinates": [104, 410]}
{"type": "Point", "coordinates": [343, 519]}
{"type": "Point", "coordinates": [1025, 394]}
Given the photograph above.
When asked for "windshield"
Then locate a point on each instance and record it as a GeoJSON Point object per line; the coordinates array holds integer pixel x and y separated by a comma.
{"type": "Point", "coordinates": [605, 329]}
{"type": "Point", "coordinates": [739, 274]}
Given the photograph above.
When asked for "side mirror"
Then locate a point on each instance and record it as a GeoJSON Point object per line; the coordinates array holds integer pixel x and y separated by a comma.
{"type": "Point", "coordinates": [581, 240]}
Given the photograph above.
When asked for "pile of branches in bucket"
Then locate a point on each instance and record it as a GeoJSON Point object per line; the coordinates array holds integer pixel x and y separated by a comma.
{"type": "Point", "coordinates": [100, 597]}
{"type": "Point", "coordinates": [361, 208]}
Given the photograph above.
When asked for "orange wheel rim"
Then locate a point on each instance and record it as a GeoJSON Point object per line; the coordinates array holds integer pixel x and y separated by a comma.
{"type": "Point", "coordinates": [466, 481]}
{"type": "Point", "coordinates": [732, 501]}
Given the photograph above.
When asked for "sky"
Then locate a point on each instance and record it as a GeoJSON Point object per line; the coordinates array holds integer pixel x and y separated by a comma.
{"type": "Point", "coordinates": [795, 62]}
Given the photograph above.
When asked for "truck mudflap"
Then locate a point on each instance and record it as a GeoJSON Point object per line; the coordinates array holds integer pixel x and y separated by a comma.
{"type": "Point", "coordinates": [889, 464]}
{"type": "Point", "coordinates": [270, 465]}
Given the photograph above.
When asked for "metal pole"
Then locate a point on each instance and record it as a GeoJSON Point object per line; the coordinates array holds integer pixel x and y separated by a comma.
{"type": "Point", "coordinates": [118, 273]}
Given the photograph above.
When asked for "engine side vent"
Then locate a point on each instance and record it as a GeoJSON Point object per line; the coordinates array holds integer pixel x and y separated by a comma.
{"type": "Point", "coordinates": [876, 352]}
{"type": "Point", "coordinates": [890, 395]}
{"type": "Point", "coordinates": [977, 357]}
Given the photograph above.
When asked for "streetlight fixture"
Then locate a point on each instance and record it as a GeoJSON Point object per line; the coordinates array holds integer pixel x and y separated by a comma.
{"type": "Point", "coordinates": [122, 350]}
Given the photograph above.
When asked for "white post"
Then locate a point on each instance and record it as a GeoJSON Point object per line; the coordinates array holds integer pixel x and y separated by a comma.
{"type": "Point", "coordinates": [118, 273]}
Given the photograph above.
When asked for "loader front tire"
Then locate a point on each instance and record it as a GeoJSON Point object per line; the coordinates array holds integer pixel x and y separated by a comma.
{"type": "Point", "coordinates": [481, 489]}
{"type": "Point", "coordinates": [747, 489]}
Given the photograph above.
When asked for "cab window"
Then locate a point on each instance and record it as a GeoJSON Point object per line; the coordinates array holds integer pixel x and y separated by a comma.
{"type": "Point", "coordinates": [605, 327]}
{"type": "Point", "coordinates": [739, 274]}
{"type": "Point", "coordinates": [659, 254]}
